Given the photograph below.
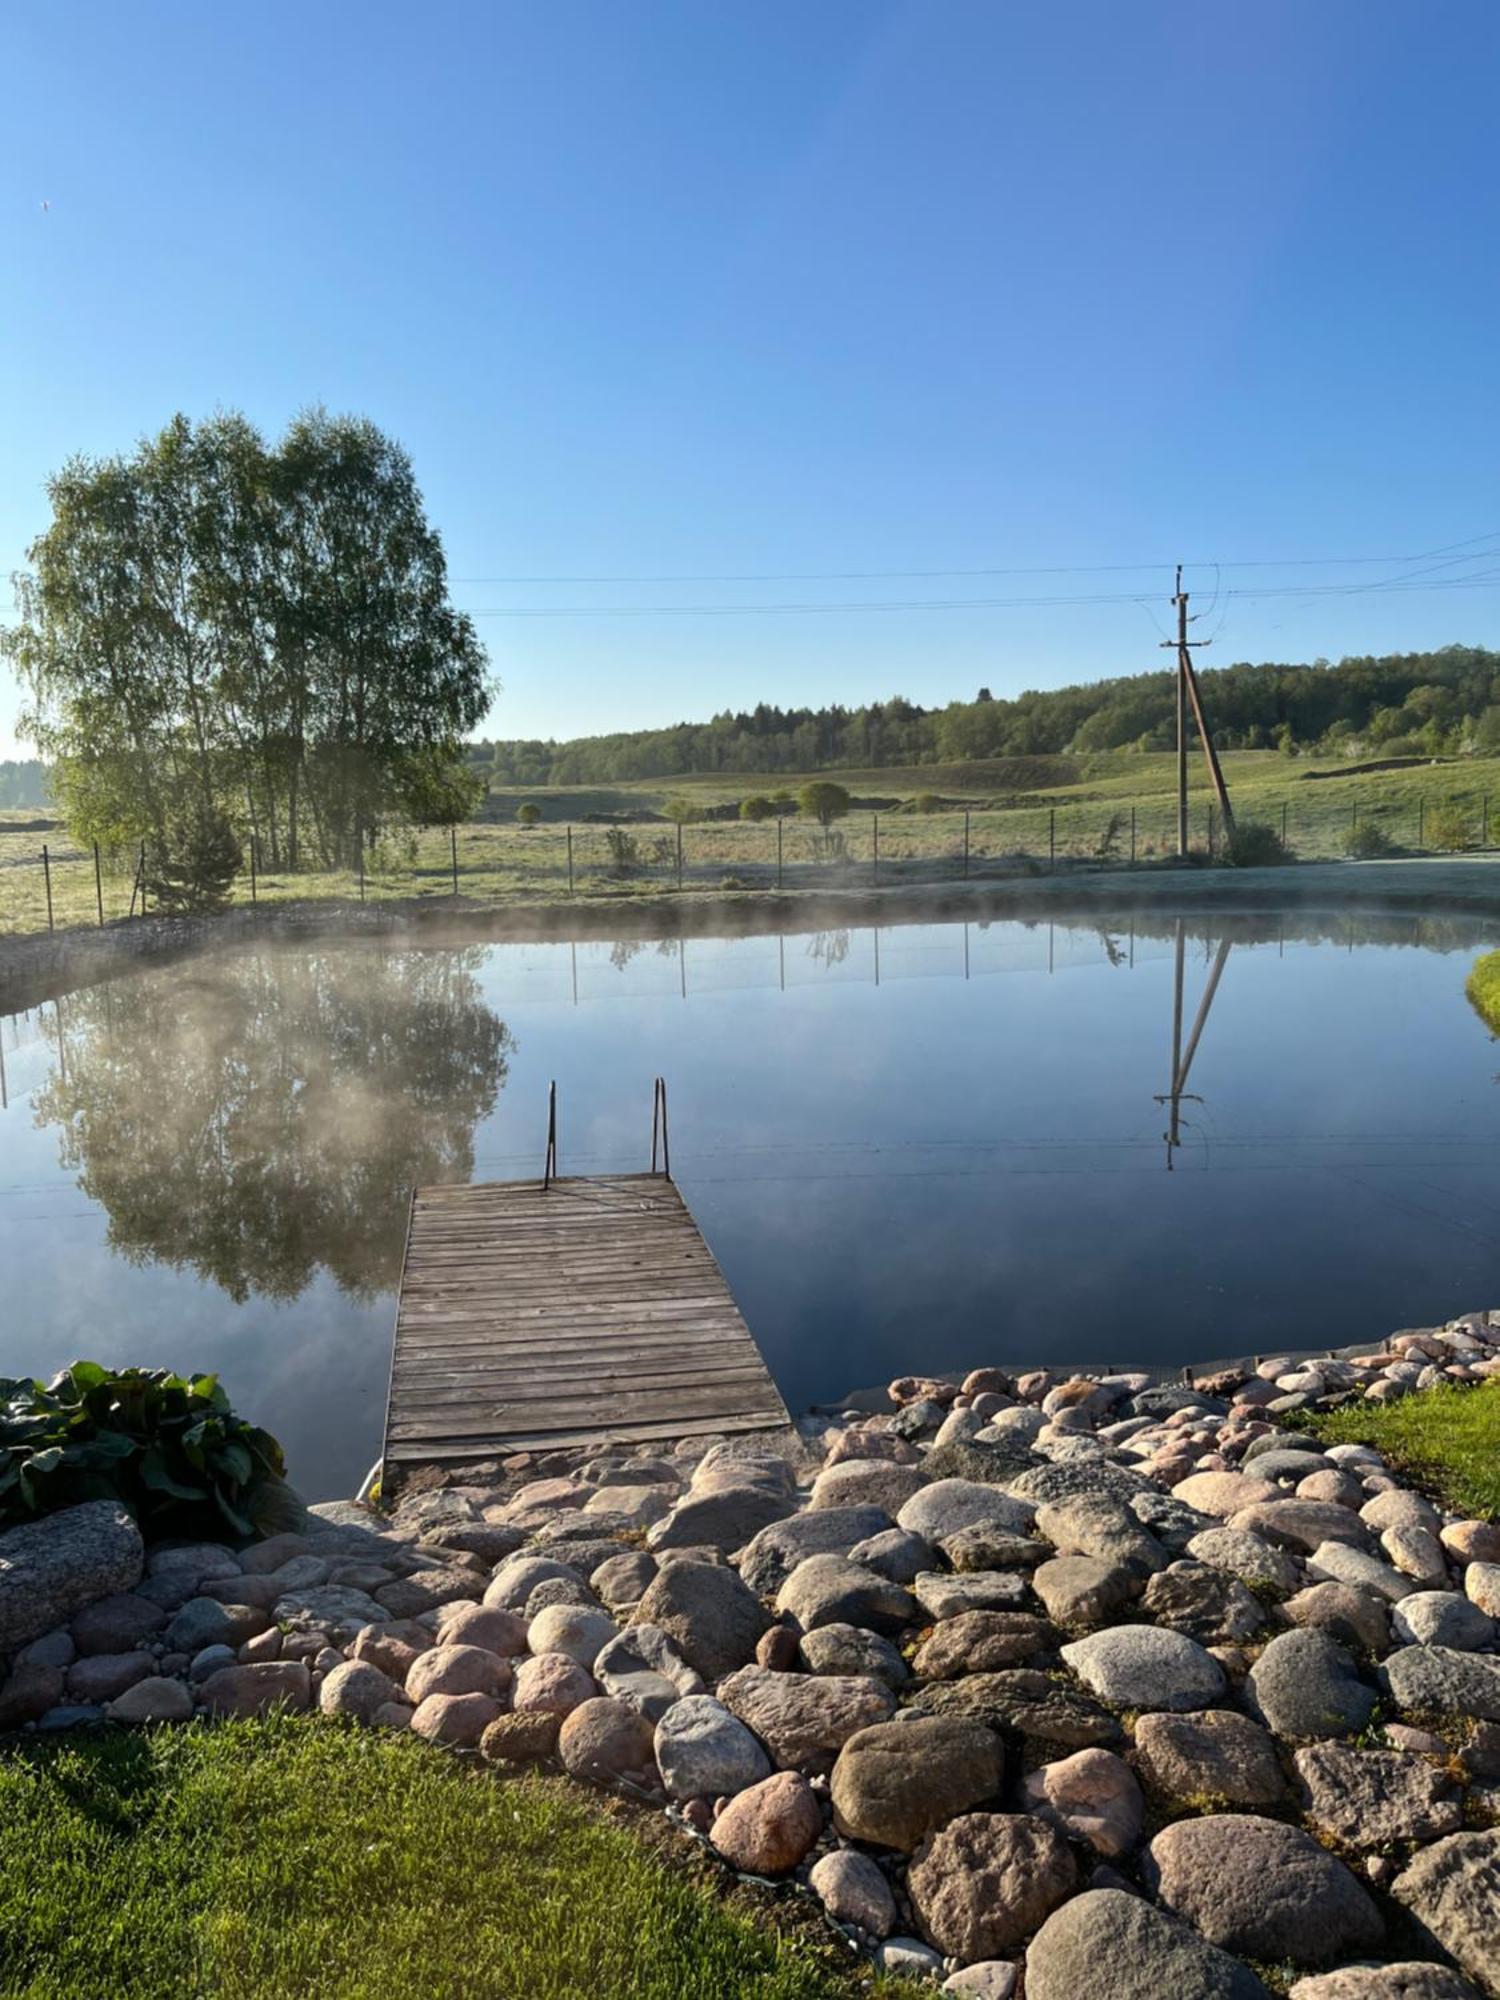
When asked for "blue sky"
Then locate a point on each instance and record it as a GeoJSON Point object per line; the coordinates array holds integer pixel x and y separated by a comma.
{"type": "Point", "coordinates": [707, 288]}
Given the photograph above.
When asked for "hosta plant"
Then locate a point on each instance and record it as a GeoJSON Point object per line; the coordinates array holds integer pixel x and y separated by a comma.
{"type": "Point", "coordinates": [168, 1447]}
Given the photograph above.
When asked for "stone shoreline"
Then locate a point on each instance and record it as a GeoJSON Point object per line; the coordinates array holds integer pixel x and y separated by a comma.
{"type": "Point", "coordinates": [1093, 1684]}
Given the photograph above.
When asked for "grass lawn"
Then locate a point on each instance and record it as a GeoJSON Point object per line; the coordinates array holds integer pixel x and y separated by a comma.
{"type": "Point", "coordinates": [288, 1858]}
{"type": "Point", "coordinates": [1446, 1439]}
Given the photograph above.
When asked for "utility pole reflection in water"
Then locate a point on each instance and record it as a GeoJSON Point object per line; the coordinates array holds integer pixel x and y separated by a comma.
{"type": "Point", "coordinates": [1182, 1059]}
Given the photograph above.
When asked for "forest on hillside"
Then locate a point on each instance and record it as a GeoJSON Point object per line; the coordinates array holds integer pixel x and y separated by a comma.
{"type": "Point", "coordinates": [1404, 704]}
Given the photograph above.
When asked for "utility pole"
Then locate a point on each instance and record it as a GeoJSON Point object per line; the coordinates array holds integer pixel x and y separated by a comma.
{"type": "Point", "coordinates": [1187, 692]}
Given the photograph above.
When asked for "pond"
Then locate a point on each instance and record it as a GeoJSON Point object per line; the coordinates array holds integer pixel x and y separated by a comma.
{"type": "Point", "coordinates": [917, 1148]}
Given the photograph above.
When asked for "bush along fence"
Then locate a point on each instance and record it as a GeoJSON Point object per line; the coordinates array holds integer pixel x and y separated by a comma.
{"type": "Point", "coordinates": [55, 883]}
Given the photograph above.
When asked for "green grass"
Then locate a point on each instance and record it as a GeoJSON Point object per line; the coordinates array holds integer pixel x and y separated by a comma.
{"type": "Point", "coordinates": [1448, 1440]}
{"type": "Point", "coordinates": [1015, 807]}
{"type": "Point", "coordinates": [281, 1859]}
{"type": "Point", "coordinates": [1483, 989]}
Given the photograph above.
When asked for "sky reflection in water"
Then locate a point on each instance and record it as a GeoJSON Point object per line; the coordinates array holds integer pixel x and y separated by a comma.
{"type": "Point", "coordinates": [924, 1149]}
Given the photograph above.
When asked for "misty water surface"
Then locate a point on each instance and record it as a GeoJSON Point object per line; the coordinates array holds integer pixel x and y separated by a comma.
{"type": "Point", "coordinates": [922, 1149]}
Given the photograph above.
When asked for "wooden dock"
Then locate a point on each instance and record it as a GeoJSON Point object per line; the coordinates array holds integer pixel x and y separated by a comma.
{"type": "Point", "coordinates": [587, 1312]}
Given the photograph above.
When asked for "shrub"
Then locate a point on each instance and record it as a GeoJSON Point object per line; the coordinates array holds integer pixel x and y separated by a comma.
{"type": "Point", "coordinates": [783, 802]}
{"type": "Point", "coordinates": [1448, 828]}
{"type": "Point", "coordinates": [528, 814]}
{"type": "Point", "coordinates": [758, 806]}
{"type": "Point", "coordinates": [165, 1446]}
{"type": "Point", "coordinates": [1251, 844]}
{"type": "Point", "coordinates": [624, 850]}
{"type": "Point", "coordinates": [823, 801]}
{"type": "Point", "coordinates": [683, 811]}
{"type": "Point", "coordinates": [926, 802]}
{"type": "Point", "coordinates": [1368, 841]}
{"type": "Point", "coordinates": [1483, 990]}
{"type": "Point", "coordinates": [193, 866]}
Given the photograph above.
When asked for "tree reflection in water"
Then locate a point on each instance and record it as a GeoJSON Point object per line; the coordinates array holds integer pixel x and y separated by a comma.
{"type": "Point", "coordinates": [257, 1117]}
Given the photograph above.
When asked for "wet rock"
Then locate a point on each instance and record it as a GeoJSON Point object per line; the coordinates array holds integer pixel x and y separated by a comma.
{"type": "Point", "coordinates": [520, 1739]}
{"type": "Point", "coordinates": [1081, 1592]}
{"type": "Point", "coordinates": [1027, 1702]}
{"type": "Point", "coordinates": [1367, 1798]}
{"type": "Point", "coordinates": [456, 1719]}
{"type": "Point", "coordinates": [258, 1688]}
{"type": "Point", "coordinates": [711, 1616]}
{"type": "Point", "coordinates": [1091, 1796]}
{"type": "Point", "coordinates": [155, 1699]}
{"type": "Point", "coordinates": [449, 1670]}
{"type": "Point", "coordinates": [1215, 1756]}
{"type": "Point", "coordinates": [604, 1739]}
{"type": "Point", "coordinates": [52, 1567]}
{"type": "Point", "coordinates": [987, 1881]}
{"type": "Point", "coordinates": [831, 1590]}
{"type": "Point", "coordinates": [1148, 1955]}
{"type": "Point", "coordinates": [705, 1752]}
{"type": "Point", "coordinates": [895, 1783]}
{"type": "Point", "coordinates": [847, 1649]}
{"type": "Point", "coordinates": [1203, 1602]}
{"type": "Point", "coordinates": [1262, 1889]}
{"type": "Point", "coordinates": [1144, 1667]}
{"type": "Point", "coordinates": [853, 1891]}
{"type": "Point", "coordinates": [1440, 1681]}
{"type": "Point", "coordinates": [1349, 1616]}
{"type": "Point", "coordinates": [1452, 1889]}
{"type": "Point", "coordinates": [981, 1642]}
{"type": "Point", "coordinates": [1303, 1685]}
{"type": "Point", "coordinates": [805, 1719]}
{"type": "Point", "coordinates": [769, 1828]}
{"type": "Point", "coordinates": [550, 1684]}
{"type": "Point", "coordinates": [357, 1689]}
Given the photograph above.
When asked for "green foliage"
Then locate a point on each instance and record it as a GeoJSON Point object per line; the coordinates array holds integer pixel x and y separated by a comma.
{"type": "Point", "coordinates": [624, 850]}
{"type": "Point", "coordinates": [1448, 828]}
{"type": "Point", "coordinates": [1369, 841]}
{"type": "Point", "coordinates": [683, 811]}
{"type": "Point", "coordinates": [166, 1446]}
{"type": "Point", "coordinates": [1252, 844]}
{"type": "Point", "coordinates": [435, 787]}
{"type": "Point", "coordinates": [757, 807]}
{"type": "Point", "coordinates": [926, 802]}
{"type": "Point", "coordinates": [1483, 989]}
{"type": "Point", "coordinates": [1448, 1439]}
{"type": "Point", "coordinates": [528, 813]}
{"type": "Point", "coordinates": [288, 1857]}
{"type": "Point", "coordinates": [192, 865]}
{"type": "Point", "coordinates": [1107, 847]}
{"type": "Point", "coordinates": [265, 627]}
{"type": "Point", "coordinates": [823, 801]}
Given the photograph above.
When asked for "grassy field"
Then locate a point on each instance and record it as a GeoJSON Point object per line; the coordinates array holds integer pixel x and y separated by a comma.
{"type": "Point", "coordinates": [1108, 808]}
{"type": "Point", "coordinates": [276, 1860]}
{"type": "Point", "coordinates": [1447, 1439]}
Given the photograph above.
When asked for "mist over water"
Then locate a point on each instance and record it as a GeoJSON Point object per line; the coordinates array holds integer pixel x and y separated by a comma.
{"type": "Point", "coordinates": [921, 1147]}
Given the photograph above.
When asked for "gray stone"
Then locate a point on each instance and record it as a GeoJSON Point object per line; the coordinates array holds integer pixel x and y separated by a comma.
{"type": "Point", "coordinates": [620, 1580]}
{"type": "Point", "coordinates": [1144, 1667]}
{"type": "Point", "coordinates": [982, 1461]}
{"type": "Point", "coordinates": [831, 1590]}
{"type": "Point", "coordinates": [978, 1642]}
{"type": "Point", "coordinates": [199, 1560]}
{"type": "Point", "coordinates": [99, 1677]}
{"type": "Point", "coordinates": [255, 1689]}
{"type": "Point", "coordinates": [1112, 1945]}
{"type": "Point", "coordinates": [897, 1782]}
{"type": "Point", "coordinates": [518, 1576]}
{"type": "Point", "coordinates": [30, 1689]}
{"type": "Point", "coordinates": [1040, 1483]}
{"type": "Point", "coordinates": [994, 1548]}
{"type": "Point", "coordinates": [1303, 1685]}
{"type": "Point", "coordinates": [154, 1699]}
{"type": "Point", "coordinates": [52, 1567]}
{"type": "Point", "coordinates": [866, 1482]}
{"type": "Point", "coordinates": [1097, 1524]}
{"type": "Point", "coordinates": [1028, 1703]}
{"type": "Point", "coordinates": [1081, 1592]}
{"type": "Point", "coordinates": [711, 1616]}
{"type": "Point", "coordinates": [203, 1621]}
{"type": "Point", "coordinates": [357, 1689]}
{"type": "Point", "coordinates": [1443, 1682]}
{"type": "Point", "coordinates": [1452, 1889]}
{"type": "Point", "coordinates": [987, 1881]}
{"type": "Point", "coordinates": [1287, 1464]}
{"type": "Point", "coordinates": [805, 1719]}
{"type": "Point", "coordinates": [1252, 1559]}
{"type": "Point", "coordinates": [409, 1596]}
{"type": "Point", "coordinates": [768, 1558]}
{"type": "Point", "coordinates": [894, 1552]}
{"type": "Point", "coordinates": [702, 1751]}
{"type": "Point", "coordinates": [725, 1520]}
{"type": "Point", "coordinates": [1173, 1522]}
{"type": "Point", "coordinates": [948, 1506]}
{"type": "Point", "coordinates": [1336, 1562]}
{"type": "Point", "coordinates": [330, 1608]}
{"type": "Point", "coordinates": [1303, 1525]}
{"type": "Point", "coordinates": [1262, 1889]}
{"type": "Point", "coordinates": [1215, 1757]}
{"type": "Point", "coordinates": [1204, 1602]}
{"type": "Point", "coordinates": [579, 1630]}
{"type": "Point", "coordinates": [117, 1623]}
{"type": "Point", "coordinates": [1367, 1798]}
{"type": "Point", "coordinates": [1443, 1618]}
{"type": "Point", "coordinates": [853, 1891]}
{"type": "Point", "coordinates": [1351, 1616]}
{"type": "Point", "coordinates": [1409, 1979]}
{"type": "Point", "coordinates": [943, 1596]}
{"type": "Point", "coordinates": [846, 1649]}
{"type": "Point", "coordinates": [907, 1958]}
{"type": "Point", "coordinates": [209, 1661]}
{"type": "Point", "coordinates": [642, 1667]}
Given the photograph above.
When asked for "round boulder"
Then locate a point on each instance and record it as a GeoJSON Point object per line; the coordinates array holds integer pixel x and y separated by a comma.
{"type": "Point", "coordinates": [1263, 1890]}
{"type": "Point", "coordinates": [1109, 1942]}
{"type": "Point", "coordinates": [605, 1739]}
{"type": "Point", "coordinates": [987, 1881]}
{"type": "Point", "coordinates": [457, 1670]}
{"type": "Point", "coordinates": [703, 1751]}
{"type": "Point", "coordinates": [771, 1827]}
{"type": "Point", "coordinates": [898, 1782]}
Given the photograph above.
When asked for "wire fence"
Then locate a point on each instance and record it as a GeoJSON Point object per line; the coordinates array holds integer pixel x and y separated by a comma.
{"type": "Point", "coordinates": [53, 884]}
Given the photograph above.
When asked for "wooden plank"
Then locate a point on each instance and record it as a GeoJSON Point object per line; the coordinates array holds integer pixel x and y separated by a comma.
{"type": "Point", "coordinates": [588, 1313]}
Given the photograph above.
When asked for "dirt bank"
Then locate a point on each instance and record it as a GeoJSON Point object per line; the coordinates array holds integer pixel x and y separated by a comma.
{"type": "Point", "coordinates": [37, 967]}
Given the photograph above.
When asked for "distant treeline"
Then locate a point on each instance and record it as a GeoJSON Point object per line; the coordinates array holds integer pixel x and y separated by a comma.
{"type": "Point", "coordinates": [1406, 704]}
{"type": "Point", "coordinates": [23, 782]}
